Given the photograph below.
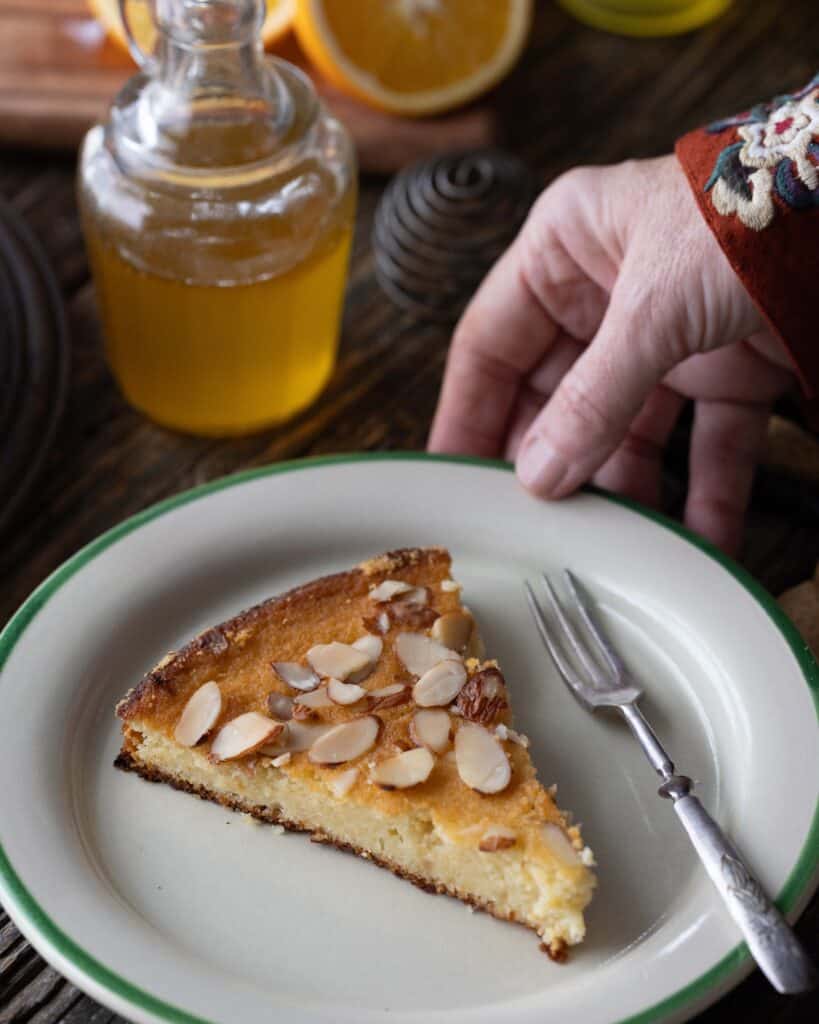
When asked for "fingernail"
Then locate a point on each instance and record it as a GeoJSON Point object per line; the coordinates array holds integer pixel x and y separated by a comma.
{"type": "Point", "coordinates": [539, 467]}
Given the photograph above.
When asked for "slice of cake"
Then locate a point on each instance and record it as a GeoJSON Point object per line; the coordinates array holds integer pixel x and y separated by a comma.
{"type": "Point", "coordinates": [359, 708]}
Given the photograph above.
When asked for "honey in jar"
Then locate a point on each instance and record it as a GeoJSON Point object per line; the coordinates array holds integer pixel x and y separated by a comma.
{"type": "Point", "coordinates": [218, 203]}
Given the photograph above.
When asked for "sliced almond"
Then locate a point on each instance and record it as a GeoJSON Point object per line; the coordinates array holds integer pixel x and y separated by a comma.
{"type": "Point", "coordinates": [481, 760]}
{"type": "Point", "coordinates": [341, 783]}
{"type": "Point", "coordinates": [506, 732]}
{"type": "Point", "coordinates": [344, 693]}
{"type": "Point", "coordinates": [280, 706]}
{"type": "Point", "coordinates": [450, 586]}
{"type": "Point", "coordinates": [560, 844]}
{"type": "Point", "coordinates": [419, 653]}
{"type": "Point", "coordinates": [440, 685]}
{"type": "Point", "coordinates": [497, 837]}
{"type": "Point", "coordinates": [453, 630]}
{"type": "Point", "coordinates": [296, 737]}
{"type": "Point", "coordinates": [305, 705]}
{"type": "Point", "coordinates": [370, 645]}
{"type": "Point", "coordinates": [346, 742]}
{"type": "Point", "coordinates": [298, 676]}
{"type": "Point", "coordinates": [417, 595]}
{"type": "Point", "coordinates": [199, 715]}
{"type": "Point", "coordinates": [431, 729]}
{"type": "Point", "coordinates": [243, 735]}
{"type": "Point", "coordinates": [377, 623]}
{"type": "Point", "coordinates": [281, 760]}
{"type": "Point", "coordinates": [404, 770]}
{"type": "Point", "coordinates": [483, 698]}
{"type": "Point", "coordinates": [389, 589]}
{"type": "Point", "coordinates": [388, 696]}
{"type": "Point", "coordinates": [411, 616]}
{"type": "Point", "coordinates": [336, 660]}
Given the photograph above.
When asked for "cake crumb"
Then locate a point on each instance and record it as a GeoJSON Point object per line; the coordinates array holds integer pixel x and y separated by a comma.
{"type": "Point", "coordinates": [277, 830]}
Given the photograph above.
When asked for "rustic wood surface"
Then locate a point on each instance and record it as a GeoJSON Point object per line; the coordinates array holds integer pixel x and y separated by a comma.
{"type": "Point", "coordinates": [578, 96]}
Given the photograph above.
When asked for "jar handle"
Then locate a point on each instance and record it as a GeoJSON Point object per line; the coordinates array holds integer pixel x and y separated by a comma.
{"type": "Point", "coordinates": [144, 60]}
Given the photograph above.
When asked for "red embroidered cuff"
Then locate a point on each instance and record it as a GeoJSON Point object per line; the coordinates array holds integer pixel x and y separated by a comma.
{"type": "Point", "coordinates": [756, 180]}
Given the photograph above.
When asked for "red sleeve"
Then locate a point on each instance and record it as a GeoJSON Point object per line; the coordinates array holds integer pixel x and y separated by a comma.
{"type": "Point", "coordinates": [756, 180]}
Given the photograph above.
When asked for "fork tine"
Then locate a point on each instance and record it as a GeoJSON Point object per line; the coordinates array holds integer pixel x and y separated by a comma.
{"type": "Point", "coordinates": [570, 633]}
{"type": "Point", "coordinates": [603, 643]}
{"type": "Point", "coordinates": [563, 666]}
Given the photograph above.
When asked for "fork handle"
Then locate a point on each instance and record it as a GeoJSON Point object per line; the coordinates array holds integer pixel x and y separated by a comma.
{"type": "Point", "coordinates": [772, 943]}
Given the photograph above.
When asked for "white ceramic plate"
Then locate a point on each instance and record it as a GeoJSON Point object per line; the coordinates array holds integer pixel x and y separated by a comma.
{"type": "Point", "coordinates": [167, 908]}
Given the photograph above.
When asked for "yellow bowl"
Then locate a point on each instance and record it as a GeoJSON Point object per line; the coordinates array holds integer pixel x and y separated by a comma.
{"type": "Point", "coordinates": [646, 17]}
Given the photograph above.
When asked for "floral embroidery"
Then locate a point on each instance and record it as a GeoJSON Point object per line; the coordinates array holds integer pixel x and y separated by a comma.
{"type": "Point", "coordinates": [777, 154]}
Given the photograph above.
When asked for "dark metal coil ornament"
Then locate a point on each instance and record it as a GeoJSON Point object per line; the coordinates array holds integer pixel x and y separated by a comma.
{"type": "Point", "coordinates": [442, 223]}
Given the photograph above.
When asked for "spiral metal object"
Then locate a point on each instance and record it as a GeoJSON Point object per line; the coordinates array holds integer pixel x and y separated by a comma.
{"type": "Point", "coordinates": [442, 223]}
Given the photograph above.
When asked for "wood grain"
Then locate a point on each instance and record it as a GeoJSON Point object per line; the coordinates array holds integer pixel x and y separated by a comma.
{"type": "Point", "coordinates": [578, 96]}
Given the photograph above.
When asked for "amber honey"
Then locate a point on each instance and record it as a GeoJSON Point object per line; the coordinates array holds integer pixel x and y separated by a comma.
{"type": "Point", "coordinates": [226, 359]}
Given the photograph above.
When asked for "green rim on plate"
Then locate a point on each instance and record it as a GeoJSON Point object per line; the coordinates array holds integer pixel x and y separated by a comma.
{"type": "Point", "coordinates": [27, 910]}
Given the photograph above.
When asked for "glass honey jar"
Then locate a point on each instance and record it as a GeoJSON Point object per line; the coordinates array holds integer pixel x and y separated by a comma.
{"type": "Point", "coordinates": [218, 202]}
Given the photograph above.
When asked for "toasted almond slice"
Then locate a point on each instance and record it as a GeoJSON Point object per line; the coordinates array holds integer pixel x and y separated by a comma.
{"type": "Point", "coordinates": [336, 660]}
{"type": "Point", "coordinates": [404, 770]}
{"type": "Point", "coordinates": [311, 701]}
{"type": "Point", "coordinates": [347, 741]}
{"type": "Point", "coordinates": [388, 696]}
{"type": "Point", "coordinates": [560, 844]}
{"type": "Point", "coordinates": [243, 735]}
{"type": "Point", "coordinates": [419, 653]}
{"type": "Point", "coordinates": [450, 586]}
{"type": "Point", "coordinates": [282, 759]}
{"type": "Point", "coordinates": [440, 685]}
{"type": "Point", "coordinates": [506, 732]}
{"type": "Point", "coordinates": [389, 589]}
{"type": "Point", "coordinates": [431, 729]}
{"type": "Point", "coordinates": [199, 715]}
{"type": "Point", "coordinates": [497, 837]}
{"type": "Point", "coordinates": [342, 782]}
{"type": "Point", "coordinates": [481, 760]}
{"type": "Point", "coordinates": [417, 595]}
{"type": "Point", "coordinates": [280, 706]}
{"type": "Point", "coordinates": [298, 676]}
{"type": "Point", "coordinates": [453, 630]}
{"type": "Point", "coordinates": [344, 693]}
{"type": "Point", "coordinates": [370, 645]}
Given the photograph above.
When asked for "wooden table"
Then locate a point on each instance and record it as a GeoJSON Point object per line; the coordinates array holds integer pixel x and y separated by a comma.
{"type": "Point", "coordinates": [578, 96]}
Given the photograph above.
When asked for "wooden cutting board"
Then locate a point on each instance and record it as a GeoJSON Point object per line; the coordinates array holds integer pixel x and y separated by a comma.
{"type": "Point", "coordinates": [58, 73]}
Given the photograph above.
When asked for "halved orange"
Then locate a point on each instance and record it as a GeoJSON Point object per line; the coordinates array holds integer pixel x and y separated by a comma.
{"type": "Point", "coordinates": [276, 24]}
{"type": "Point", "coordinates": [413, 56]}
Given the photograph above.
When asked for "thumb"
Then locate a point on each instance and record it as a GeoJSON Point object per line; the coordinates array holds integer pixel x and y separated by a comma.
{"type": "Point", "coordinates": [592, 409]}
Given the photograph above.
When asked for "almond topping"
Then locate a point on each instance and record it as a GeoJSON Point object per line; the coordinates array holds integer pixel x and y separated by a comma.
{"type": "Point", "coordinates": [450, 586]}
{"type": "Point", "coordinates": [243, 735]}
{"type": "Point", "coordinates": [389, 589]}
{"type": "Point", "coordinates": [337, 660]}
{"type": "Point", "coordinates": [297, 736]}
{"type": "Point", "coordinates": [344, 693]}
{"type": "Point", "coordinates": [343, 782]}
{"type": "Point", "coordinates": [411, 616]}
{"type": "Point", "coordinates": [377, 623]}
{"type": "Point", "coordinates": [419, 653]}
{"type": "Point", "coordinates": [497, 838]}
{"type": "Point", "coordinates": [431, 729]}
{"type": "Point", "coordinates": [560, 844]}
{"type": "Point", "coordinates": [199, 715]}
{"type": "Point", "coordinates": [404, 770]}
{"type": "Point", "coordinates": [370, 645]}
{"type": "Point", "coordinates": [440, 685]}
{"type": "Point", "coordinates": [388, 696]}
{"type": "Point", "coordinates": [453, 630]}
{"type": "Point", "coordinates": [506, 732]}
{"type": "Point", "coordinates": [280, 706]}
{"type": "Point", "coordinates": [347, 741]}
{"type": "Point", "coordinates": [483, 698]}
{"type": "Point", "coordinates": [481, 760]}
{"type": "Point", "coordinates": [417, 595]}
{"type": "Point", "coordinates": [282, 759]}
{"type": "Point", "coordinates": [295, 675]}
{"type": "Point", "coordinates": [305, 705]}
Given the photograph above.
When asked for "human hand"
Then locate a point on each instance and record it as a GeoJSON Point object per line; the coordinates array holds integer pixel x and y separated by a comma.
{"type": "Point", "coordinates": [614, 306]}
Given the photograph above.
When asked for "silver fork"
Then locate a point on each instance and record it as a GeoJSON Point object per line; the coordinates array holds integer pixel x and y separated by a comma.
{"type": "Point", "coordinates": [605, 683]}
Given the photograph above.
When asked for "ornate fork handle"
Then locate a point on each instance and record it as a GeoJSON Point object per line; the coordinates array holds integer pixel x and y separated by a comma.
{"type": "Point", "coordinates": [770, 939]}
